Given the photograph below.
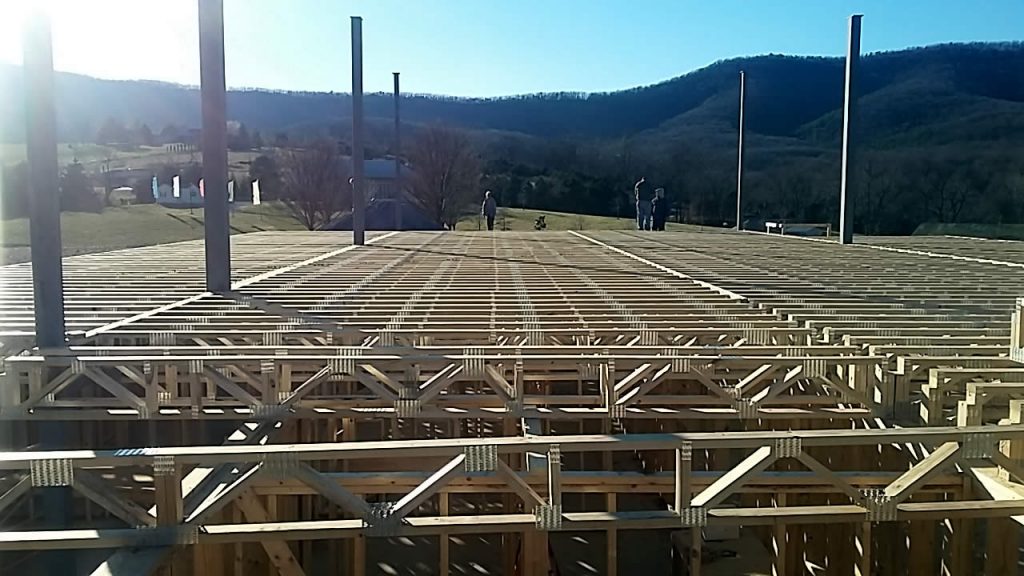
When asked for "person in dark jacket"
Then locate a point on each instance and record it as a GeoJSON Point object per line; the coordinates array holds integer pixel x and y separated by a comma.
{"type": "Point", "coordinates": [659, 210]}
{"type": "Point", "coordinates": [489, 209]}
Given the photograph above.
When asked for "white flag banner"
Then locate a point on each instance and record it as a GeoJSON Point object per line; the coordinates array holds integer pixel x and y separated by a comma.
{"type": "Point", "coordinates": [231, 190]}
{"type": "Point", "coordinates": [176, 186]}
{"type": "Point", "coordinates": [255, 192]}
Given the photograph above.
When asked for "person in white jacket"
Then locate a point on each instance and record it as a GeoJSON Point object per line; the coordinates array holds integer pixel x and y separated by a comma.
{"type": "Point", "coordinates": [489, 209]}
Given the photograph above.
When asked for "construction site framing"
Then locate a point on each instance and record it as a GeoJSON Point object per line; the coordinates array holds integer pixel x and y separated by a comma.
{"type": "Point", "coordinates": [847, 407]}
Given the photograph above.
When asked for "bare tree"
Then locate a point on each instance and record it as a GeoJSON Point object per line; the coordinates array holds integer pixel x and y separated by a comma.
{"type": "Point", "coordinates": [445, 173]}
{"type": "Point", "coordinates": [315, 183]}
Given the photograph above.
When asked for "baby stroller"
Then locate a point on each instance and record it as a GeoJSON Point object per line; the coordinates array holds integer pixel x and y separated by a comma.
{"type": "Point", "coordinates": [539, 223]}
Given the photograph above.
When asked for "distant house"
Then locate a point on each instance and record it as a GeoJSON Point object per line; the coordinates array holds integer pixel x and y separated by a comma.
{"type": "Point", "coordinates": [388, 204]}
{"type": "Point", "coordinates": [188, 196]}
{"type": "Point", "coordinates": [380, 178]}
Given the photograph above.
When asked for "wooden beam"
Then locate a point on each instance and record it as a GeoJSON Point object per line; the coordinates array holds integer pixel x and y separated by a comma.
{"type": "Point", "coordinates": [372, 450]}
{"type": "Point", "coordinates": [530, 497]}
{"type": "Point", "coordinates": [15, 492]}
{"type": "Point", "coordinates": [278, 551]}
{"type": "Point", "coordinates": [554, 476]}
{"type": "Point", "coordinates": [332, 491]}
{"type": "Point", "coordinates": [822, 471]}
{"type": "Point", "coordinates": [411, 501]}
{"type": "Point", "coordinates": [683, 477]}
{"type": "Point", "coordinates": [611, 539]}
{"type": "Point", "coordinates": [95, 489]}
{"type": "Point", "coordinates": [779, 542]}
{"type": "Point", "coordinates": [444, 539]}
{"type": "Point", "coordinates": [133, 562]}
{"type": "Point", "coordinates": [903, 487]}
{"type": "Point", "coordinates": [1001, 550]}
{"type": "Point", "coordinates": [727, 484]}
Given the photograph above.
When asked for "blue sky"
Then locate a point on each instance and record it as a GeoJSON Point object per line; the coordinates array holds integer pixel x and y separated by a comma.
{"type": "Point", "coordinates": [488, 47]}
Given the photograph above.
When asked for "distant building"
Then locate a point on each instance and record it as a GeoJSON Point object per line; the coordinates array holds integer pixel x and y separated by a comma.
{"type": "Point", "coordinates": [380, 178]}
{"type": "Point", "coordinates": [388, 204]}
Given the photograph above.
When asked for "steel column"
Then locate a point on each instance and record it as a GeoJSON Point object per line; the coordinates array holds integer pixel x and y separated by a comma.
{"type": "Point", "coordinates": [398, 157]}
{"type": "Point", "coordinates": [739, 165]}
{"type": "Point", "coordinates": [849, 170]}
{"type": "Point", "coordinates": [358, 185]}
{"type": "Point", "coordinates": [45, 238]}
{"type": "Point", "coordinates": [44, 183]}
{"type": "Point", "coordinates": [215, 145]}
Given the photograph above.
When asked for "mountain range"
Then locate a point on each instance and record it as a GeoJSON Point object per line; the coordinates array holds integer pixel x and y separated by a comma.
{"type": "Point", "coordinates": [928, 95]}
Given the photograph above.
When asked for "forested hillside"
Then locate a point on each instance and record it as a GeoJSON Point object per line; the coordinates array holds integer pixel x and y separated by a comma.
{"type": "Point", "coordinates": [943, 128]}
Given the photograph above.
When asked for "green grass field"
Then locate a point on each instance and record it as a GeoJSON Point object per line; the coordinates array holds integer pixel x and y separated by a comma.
{"type": "Point", "coordinates": [142, 225]}
{"type": "Point", "coordinates": [93, 156]}
{"type": "Point", "coordinates": [996, 231]}
{"type": "Point", "coordinates": [147, 224]}
{"type": "Point", "coordinates": [521, 219]}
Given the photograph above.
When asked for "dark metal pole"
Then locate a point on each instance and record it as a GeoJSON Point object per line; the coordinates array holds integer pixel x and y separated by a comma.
{"type": "Point", "coordinates": [739, 165]}
{"type": "Point", "coordinates": [849, 170]}
{"type": "Point", "coordinates": [358, 193]}
{"type": "Point", "coordinates": [398, 159]}
{"type": "Point", "coordinates": [215, 145]}
{"type": "Point", "coordinates": [45, 238]}
{"type": "Point", "coordinates": [44, 183]}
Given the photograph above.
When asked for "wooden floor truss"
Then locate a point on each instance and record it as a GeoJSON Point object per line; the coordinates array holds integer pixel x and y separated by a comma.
{"type": "Point", "coordinates": [820, 396]}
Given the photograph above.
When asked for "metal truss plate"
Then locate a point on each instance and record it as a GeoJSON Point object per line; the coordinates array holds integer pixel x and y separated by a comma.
{"type": "Point", "coordinates": [407, 408]}
{"type": "Point", "coordinates": [52, 472]}
{"type": "Point", "coordinates": [617, 411]}
{"type": "Point", "coordinates": [693, 517]}
{"type": "Point", "coordinates": [474, 362]}
{"type": "Point", "coordinates": [978, 446]}
{"type": "Point", "coordinates": [268, 411]}
{"type": "Point", "coordinates": [679, 365]}
{"type": "Point", "coordinates": [881, 508]}
{"type": "Point", "coordinates": [1017, 354]}
{"type": "Point", "coordinates": [481, 458]}
{"type": "Point", "coordinates": [757, 336]}
{"type": "Point", "coordinates": [181, 535]}
{"type": "Point", "coordinates": [548, 516]}
{"type": "Point", "coordinates": [588, 371]}
{"type": "Point", "coordinates": [280, 464]}
{"type": "Point", "coordinates": [788, 447]}
{"type": "Point", "coordinates": [164, 466]}
{"type": "Point", "coordinates": [381, 523]}
{"type": "Point", "coordinates": [161, 339]}
{"type": "Point", "coordinates": [345, 363]}
{"type": "Point", "coordinates": [514, 407]}
{"type": "Point", "coordinates": [746, 409]}
{"type": "Point", "coordinates": [815, 368]}
{"type": "Point", "coordinates": [554, 455]}
{"type": "Point", "coordinates": [685, 450]}
{"type": "Point", "coordinates": [267, 366]}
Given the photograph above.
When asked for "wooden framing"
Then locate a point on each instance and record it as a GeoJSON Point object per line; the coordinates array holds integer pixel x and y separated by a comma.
{"type": "Point", "coordinates": [453, 384]}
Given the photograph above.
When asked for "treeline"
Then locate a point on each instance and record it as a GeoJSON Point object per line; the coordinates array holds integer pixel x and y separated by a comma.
{"type": "Point", "coordinates": [898, 189]}
{"type": "Point", "coordinates": [784, 94]}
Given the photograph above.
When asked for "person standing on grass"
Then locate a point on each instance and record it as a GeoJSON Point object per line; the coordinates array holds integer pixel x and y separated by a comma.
{"type": "Point", "coordinates": [489, 209]}
{"type": "Point", "coordinates": [659, 210]}
{"type": "Point", "coordinates": [643, 204]}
